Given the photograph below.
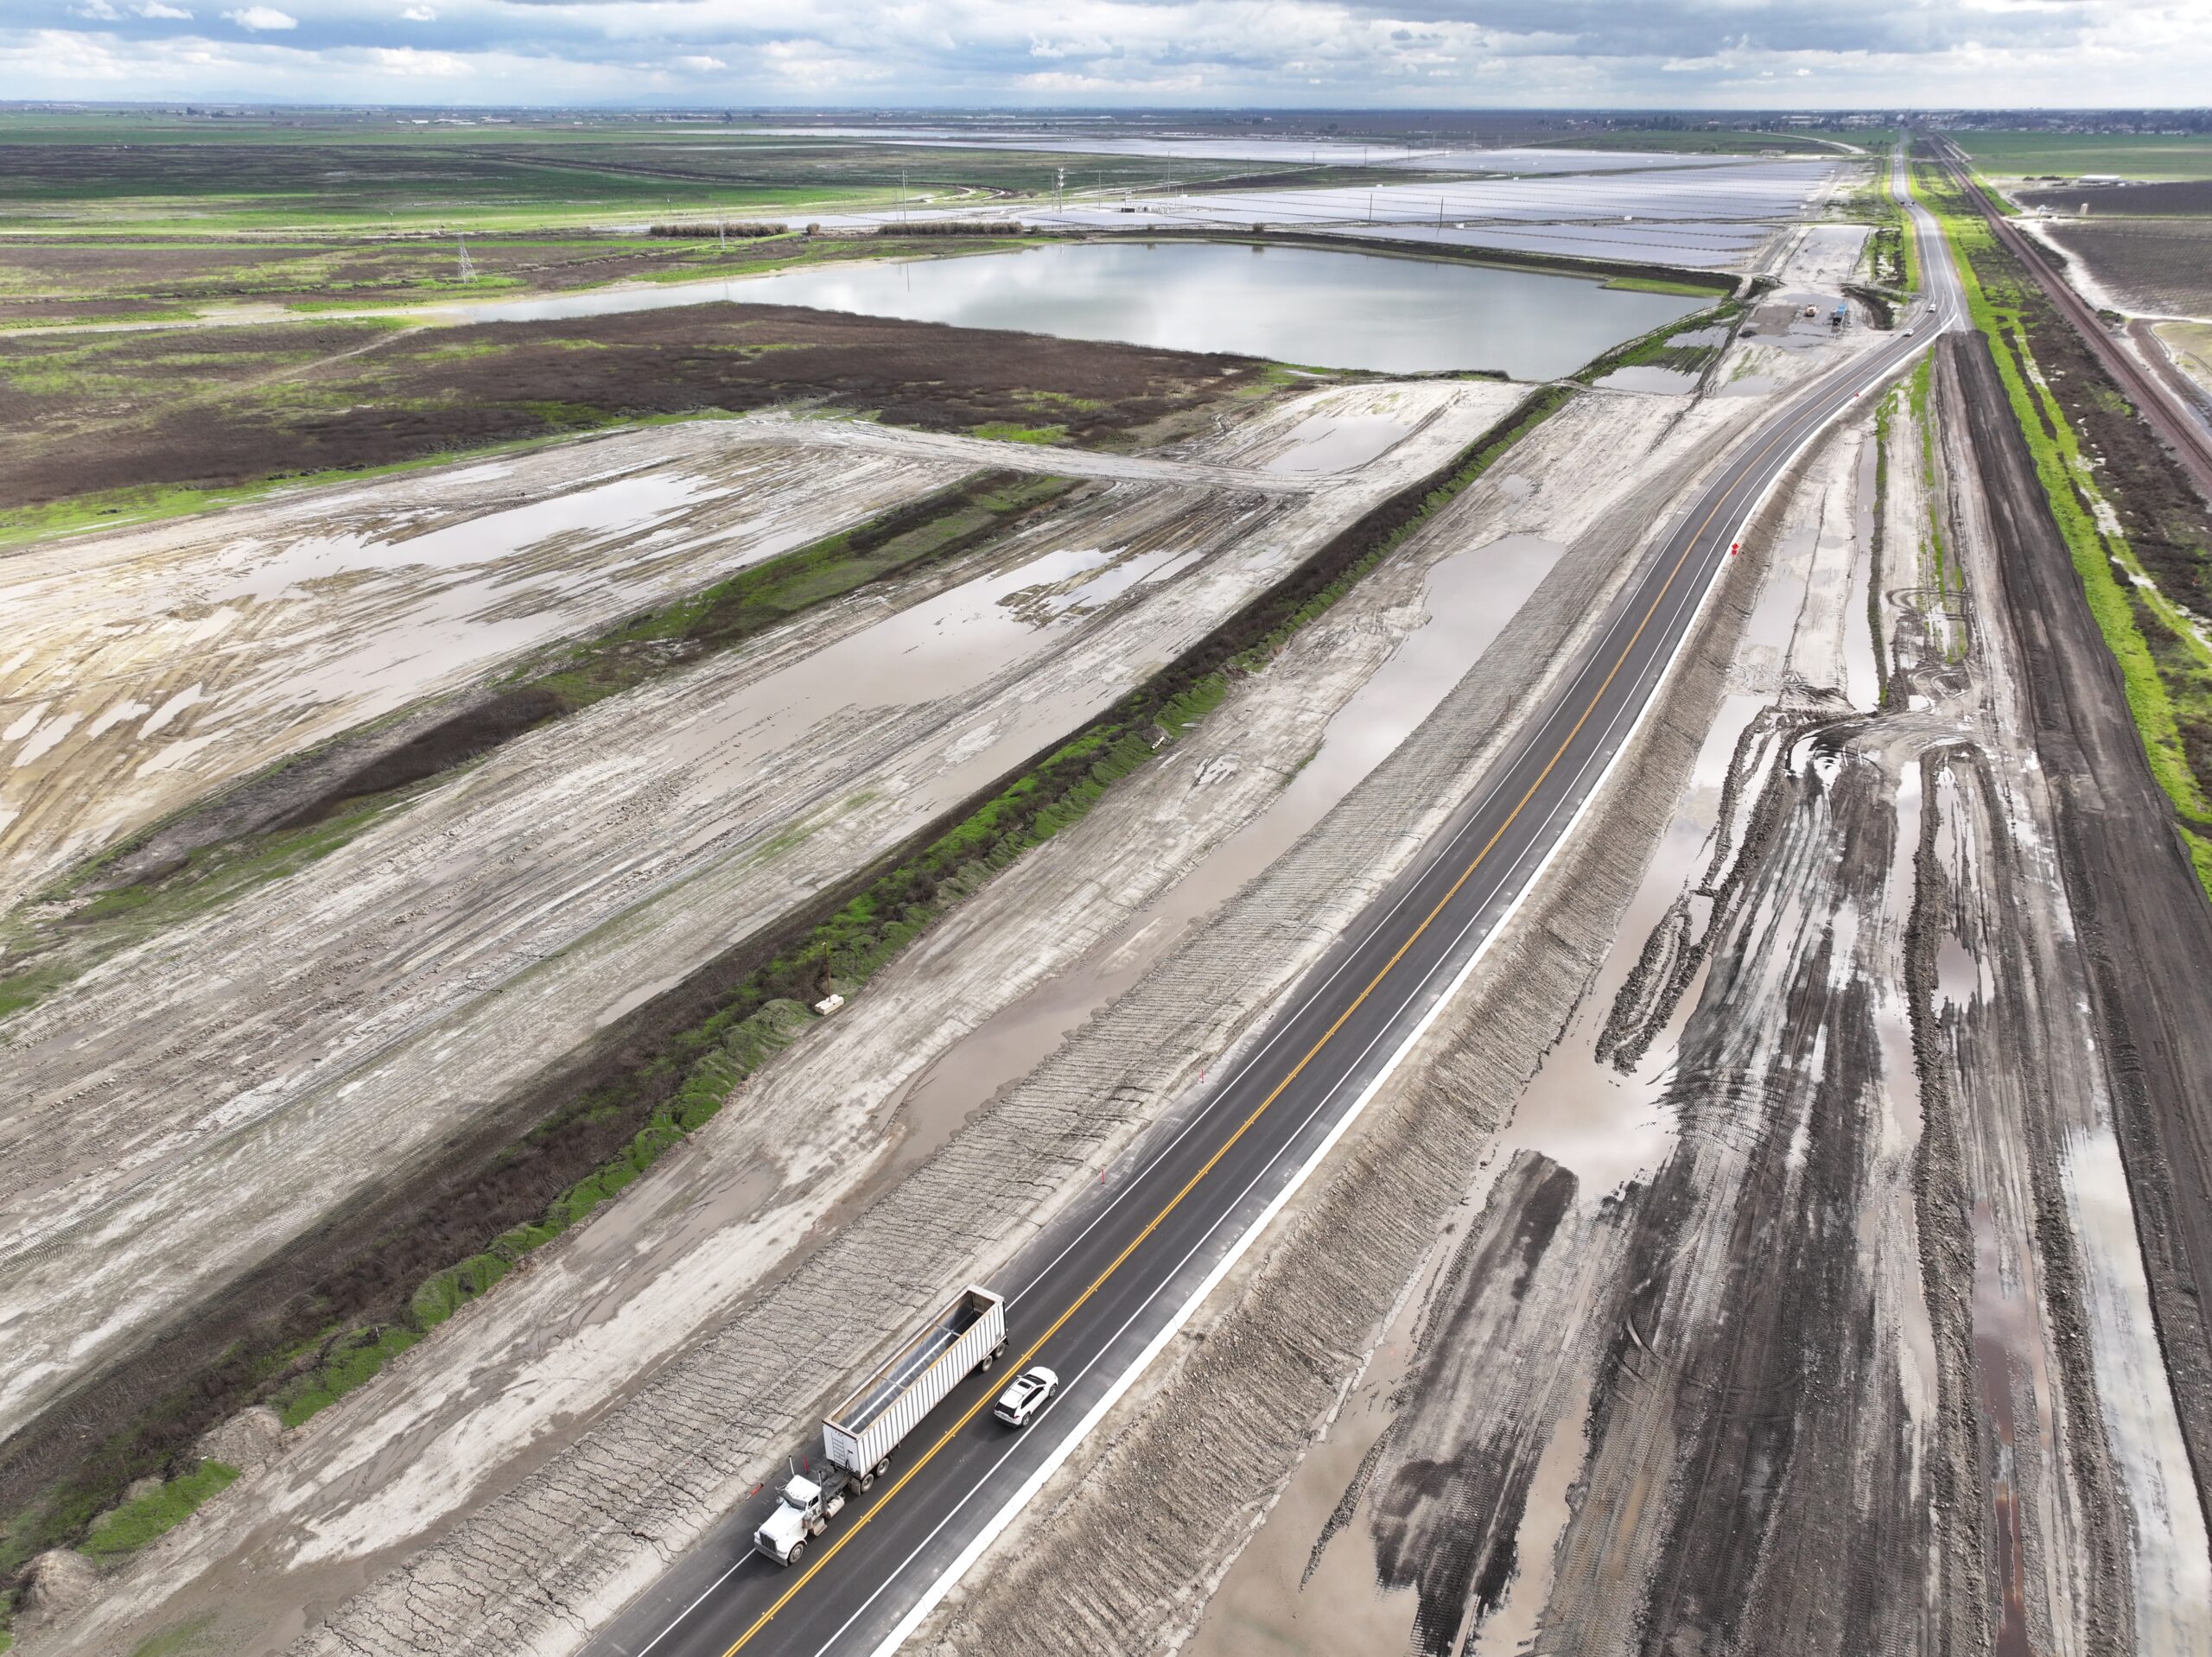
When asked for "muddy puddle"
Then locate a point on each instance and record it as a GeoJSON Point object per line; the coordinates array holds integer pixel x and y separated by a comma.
{"type": "Point", "coordinates": [2006, 1349]}
{"type": "Point", "coordinates": [161, 664]}
{"type": "Point", "coordinates": [1606, 1125]}
{"type": "Point", "coordinates": [1327, 442]}
{"type": "Point", "coordinates": [954, 642]}
{"type": "Point", "coordinates": [1666, 382]}
{"type": "Point", "coordinates": [1469, 597]}
{"type": "Point", "coordinates": [2173, 1558]}
{"type": "Point", "coordinates": [1307, 1584]}
{"type": "Point", "coordinates": [640, 503]}
{"type": "Point", "coordinates": [1862, 662]}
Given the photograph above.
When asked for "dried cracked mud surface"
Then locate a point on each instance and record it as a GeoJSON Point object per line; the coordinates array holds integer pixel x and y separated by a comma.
{"type": "Point", "coordinates": [1785, 1294]}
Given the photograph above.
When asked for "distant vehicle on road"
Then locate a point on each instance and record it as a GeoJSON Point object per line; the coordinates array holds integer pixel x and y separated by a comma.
{"type": "Point", "coordinates": [860, 1433]}
{"type": "Point", "coordinates": [1021, 1403]}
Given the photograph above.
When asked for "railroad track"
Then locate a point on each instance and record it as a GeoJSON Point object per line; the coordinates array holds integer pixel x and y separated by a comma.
{"type": "Point", "coordinates": [2190, 442]}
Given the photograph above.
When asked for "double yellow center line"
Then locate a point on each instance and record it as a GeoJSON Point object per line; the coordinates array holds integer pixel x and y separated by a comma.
{"type": "Point", "coordinates": [1243, 1127]}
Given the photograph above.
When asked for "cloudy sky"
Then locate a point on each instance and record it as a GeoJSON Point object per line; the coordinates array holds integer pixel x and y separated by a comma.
{"type": "Point", "coordinates": [1672, 53]}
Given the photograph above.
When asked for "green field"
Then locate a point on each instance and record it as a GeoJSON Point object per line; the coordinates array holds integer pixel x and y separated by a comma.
{"type": "Point", "coordinates": [140, 172]}
{"type": "Point", "coordinates": [2026, 155]}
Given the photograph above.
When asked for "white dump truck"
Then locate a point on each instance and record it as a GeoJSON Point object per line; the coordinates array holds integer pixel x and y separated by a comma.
{"type": "Point", "coordinates": [860, 1434]}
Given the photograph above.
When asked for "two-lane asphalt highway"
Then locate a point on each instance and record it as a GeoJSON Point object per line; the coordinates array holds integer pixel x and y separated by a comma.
{"type": "Point", "coordinates": [1094, 1291]}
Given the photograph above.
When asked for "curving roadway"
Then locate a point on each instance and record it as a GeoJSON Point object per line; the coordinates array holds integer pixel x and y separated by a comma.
{"type": "Point", "coordinates": [1097, 1292]}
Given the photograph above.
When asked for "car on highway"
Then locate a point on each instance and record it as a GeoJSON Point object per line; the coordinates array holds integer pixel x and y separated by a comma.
{"type": "Point", "coordinates": [1022, 1403]}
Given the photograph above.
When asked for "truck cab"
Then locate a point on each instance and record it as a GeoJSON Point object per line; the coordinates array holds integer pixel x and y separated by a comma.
{"type": "Point", "coordinates": [804, 1509]}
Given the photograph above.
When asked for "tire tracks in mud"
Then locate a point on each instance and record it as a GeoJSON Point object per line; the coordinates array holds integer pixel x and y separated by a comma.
{"type": "Point", "coordinates": [2145, 927]}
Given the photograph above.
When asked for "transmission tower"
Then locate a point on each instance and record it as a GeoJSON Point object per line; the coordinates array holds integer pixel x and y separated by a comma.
{"type": "Point", "coordinates": [467, 271]}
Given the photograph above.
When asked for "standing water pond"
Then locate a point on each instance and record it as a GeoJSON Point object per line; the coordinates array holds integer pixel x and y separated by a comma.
{"type": "Point", "coordinates": [1291, 304]}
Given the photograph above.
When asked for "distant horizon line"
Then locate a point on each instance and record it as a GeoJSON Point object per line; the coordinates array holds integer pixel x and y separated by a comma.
{"type": "Point", "coordinates": [727, 109]}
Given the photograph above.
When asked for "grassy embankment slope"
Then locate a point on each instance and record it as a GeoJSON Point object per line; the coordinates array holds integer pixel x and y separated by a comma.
{"type": "Point", "coordinates": [1891, 258]}
{"type": "Point", "coordinates": [2165, 661]}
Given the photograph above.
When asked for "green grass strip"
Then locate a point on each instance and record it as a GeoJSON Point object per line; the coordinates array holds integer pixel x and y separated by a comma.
{"type": "Point", "coordinates": [138, 1522]}
{"type": "Point", "coordinates": [1651, 349]}
{"type": "Point", "coordinates": [2069, 486]}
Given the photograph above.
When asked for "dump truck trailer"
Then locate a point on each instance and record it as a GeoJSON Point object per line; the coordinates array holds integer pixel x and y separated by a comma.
{"type": "Point", "coordinates": [860, 1434]}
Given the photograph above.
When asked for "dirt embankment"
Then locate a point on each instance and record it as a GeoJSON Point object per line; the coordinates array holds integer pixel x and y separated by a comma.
{"type": "Point", "coordinates": [2146, 929]}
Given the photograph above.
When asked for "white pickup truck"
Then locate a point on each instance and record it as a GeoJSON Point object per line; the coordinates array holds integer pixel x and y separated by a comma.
{"type": "Point", "coordinates": [860, 1434]}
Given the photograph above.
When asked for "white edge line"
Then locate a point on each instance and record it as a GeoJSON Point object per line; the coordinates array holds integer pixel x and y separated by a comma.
{"type": "Point", "coordinates": [1005, 1516]}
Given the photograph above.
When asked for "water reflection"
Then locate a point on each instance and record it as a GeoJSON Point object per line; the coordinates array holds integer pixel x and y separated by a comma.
{"type": "Point", "coordinates": [1294, 304]}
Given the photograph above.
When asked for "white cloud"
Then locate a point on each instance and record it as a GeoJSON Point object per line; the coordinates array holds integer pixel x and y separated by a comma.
{"type": "Point", "coordinates": [406, 60]}
{"type": "Point", "coordinates": [1579, 54]}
